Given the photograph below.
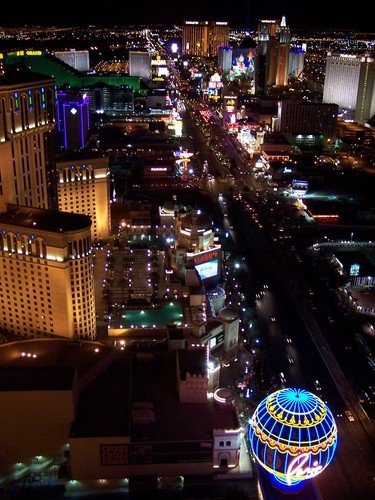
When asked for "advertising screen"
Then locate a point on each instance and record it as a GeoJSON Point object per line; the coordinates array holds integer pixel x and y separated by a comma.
{"type": "Point", "coordinates": [208, 269]}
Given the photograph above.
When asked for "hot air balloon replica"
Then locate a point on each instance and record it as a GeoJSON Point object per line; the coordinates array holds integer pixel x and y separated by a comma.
{"type": "Point", "coordinates": [293, 436]}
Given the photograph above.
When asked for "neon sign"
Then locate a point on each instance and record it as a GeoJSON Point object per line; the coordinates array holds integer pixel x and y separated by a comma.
{"type": "Point", "coordinates": [296, 470]}
{"type": "Point", "coordinates": [293, 436]}
{"type": "Point", "coordinates": [205, 257]}
{"type": "Point", "coordinates": [34, 52]}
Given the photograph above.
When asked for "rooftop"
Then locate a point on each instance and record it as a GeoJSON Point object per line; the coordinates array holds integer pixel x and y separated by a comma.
{"type": "Point", "coordinates": [104, 407]}
{"type": "Point", "coordinates": [36, 378]}
{"type": "Point", "coordinates": [50, 354]}
{"type": "Point", "coordinates": [155, 382]}
{"type": "Point", "coordinates": [77, 155]}
{"type": "Point", "coordinates": [20, 77]}
{"type": "Point", "coordinates": [193, 362]}
{"type": "Point", "coordinates": [44, 220]}
{"type": "Point", "coordinates": [146, 387]}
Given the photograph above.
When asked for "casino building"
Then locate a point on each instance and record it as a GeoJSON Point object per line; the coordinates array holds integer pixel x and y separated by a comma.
{"type": "Point", "coordinates": [46, 272]}
{"type": "Point", "coordinates": [203, 38]}
{"type": "Point", "coordinates": [196, 248]}
{"type": "Point", "coordinates": [46, 267]}
{"type": "Point", "coordinates": [120, 415]}
{"type": "Point", "coordinates": [83, 187]}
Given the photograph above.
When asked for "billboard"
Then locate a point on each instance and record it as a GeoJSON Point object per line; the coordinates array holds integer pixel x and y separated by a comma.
{"type": "Point", "coordinates": [208, 269]}
{"type": "Point", "coordinates": [202, 257]}
{"type": "Point", "coordinates": [155, 453]}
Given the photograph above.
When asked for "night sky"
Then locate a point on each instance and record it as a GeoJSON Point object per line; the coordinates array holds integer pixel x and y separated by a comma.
{"type": "Point", "coordinates": [240, 13]}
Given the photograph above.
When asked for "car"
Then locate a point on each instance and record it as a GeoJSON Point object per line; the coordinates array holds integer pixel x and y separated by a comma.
{"type": "Point", "coordinates": [288, 339]}
{"type": "Point", "coordinates": [349, 415]}
{"type": "Point", "coordinates": [291, 359]}
{"type": "Point", "coordinates": [282, 378]}
{"type": "Point", "coordinates": [273, 319]}
{"type": "Point", "coordinates": [317, 385]}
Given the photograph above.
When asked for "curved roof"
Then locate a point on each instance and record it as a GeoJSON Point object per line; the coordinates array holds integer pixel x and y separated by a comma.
{"type": "Point", "coordinates": [228, 314]}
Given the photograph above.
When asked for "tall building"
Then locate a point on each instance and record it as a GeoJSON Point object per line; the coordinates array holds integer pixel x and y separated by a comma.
{"type": "Point", "coordinates": [296, 62]}
{"type": "Point", "coordinates": [196, 248]}
{"type": "Point", "coordinates": [365, 105]}
{"type": "Point", "coordinates": [348, 81]}
{"type": "Point", "coordinates": [224, 58]}
{"type": "Point", "coordinates": [46, 273]}
{"type": "Point", "coordinates": [307, 118]}
{"type": "Point", "coordinates": [83, 188]}
{"type": "Point", "coordinates": [78, 59]}
{"type": "Point", "coordinates": [283, 36]}
{"type": "Point", "coordinates": [140, 64]}
{"type": "Point", "coordinates": [45, 255]}
{"type": "Point", "coordinates": [72, 119]}
{"type": "Point", "coordinates": [27, 166]}
{"type": "Point", "coordinates": [203, 38]}
{"type": "Point", "coordinates": [110, 100]}
{"type": "Point", "coordinates": [267, 29]}
{"type": "Point", "coordinates": [272, 65]}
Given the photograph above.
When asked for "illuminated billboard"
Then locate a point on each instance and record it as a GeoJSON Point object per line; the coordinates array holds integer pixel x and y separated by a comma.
{"type": "Point", "coordinates": [293, 436]}
{"type": "Point", "coordinates": [208, 269]}
{"type": "Point", "coordinates": [206, 256]}
{"type": "Point", "coordinates": [300, 187]}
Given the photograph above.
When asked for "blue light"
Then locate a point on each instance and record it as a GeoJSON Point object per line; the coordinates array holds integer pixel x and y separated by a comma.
{"type": "Point", "coordinates": [293, 436]}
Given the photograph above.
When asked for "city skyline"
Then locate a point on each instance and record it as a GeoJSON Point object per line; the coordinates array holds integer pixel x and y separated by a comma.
{"type": "Point", "coordinates": [187, 254]}
{"type": "Point", "coordinates": [245, 14]}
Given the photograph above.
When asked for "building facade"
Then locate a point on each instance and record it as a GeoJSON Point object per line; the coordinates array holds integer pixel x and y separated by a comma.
{"type": "Point", "coordinates": [140, 64]}
{"type": "Point", "coordinates": [342, 80]}
{"type": "Point", "coordinates": [224, 58]}
{"type": "Point", "coordinates": [267, 29]}
{"type": "Point", "coordinates": [72, 119]}
{"type": "Point", "coordinates": [46, 271]}
{"type": "Point", "coordinates": [296, 62]}
{"type": "Point", "coordinates": [283, 36]}
{"type": "Point", "coordinates": [272, 62]}
{"type": "Point", "coordinates": [27, 173]}
{"type": "Point", "coordinates": [83, 188]}
{"type": "Point", "coordinates": [365, 105]}
{"type": "Point", "coordinates": [78, 59]}
{"type": "Point", "coordinates": [296, 117]}
{"type": "Point", "coordinates": [203, 38]}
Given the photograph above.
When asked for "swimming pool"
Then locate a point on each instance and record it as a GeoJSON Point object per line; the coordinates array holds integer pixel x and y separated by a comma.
{"type": "Point", "coordinates": [147, 318]}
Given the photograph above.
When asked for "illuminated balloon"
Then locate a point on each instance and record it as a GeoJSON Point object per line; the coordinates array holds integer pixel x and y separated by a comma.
{"type": "Point", "coordinates": [293, 435]}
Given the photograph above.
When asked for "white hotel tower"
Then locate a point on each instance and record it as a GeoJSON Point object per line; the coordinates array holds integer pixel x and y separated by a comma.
{"type": "Point", "coordinates": [347, 83]}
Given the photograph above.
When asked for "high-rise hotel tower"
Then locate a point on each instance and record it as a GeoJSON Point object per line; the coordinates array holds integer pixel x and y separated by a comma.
{"type": "Point", "coordinates": [26, 141]}
{"type": "Point", "coordinates": [46, 267]}
{"type": "Point", "coordinates": [83, 188]}
{"type": "Point", "coordinates": [272, 64]}
{"type": "Point", "coordinates": [350, 83]}
{"type": "Point", "coordinates": [203, 38]}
